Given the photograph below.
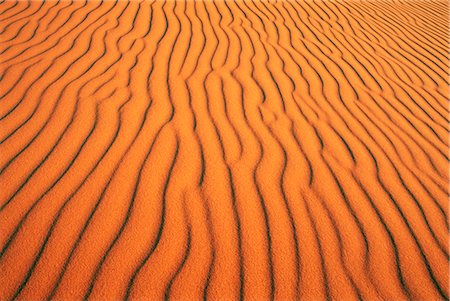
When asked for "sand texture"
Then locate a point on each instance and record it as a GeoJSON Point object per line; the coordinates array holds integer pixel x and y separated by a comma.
{"type": "Point", "coordinates": [222, 150]}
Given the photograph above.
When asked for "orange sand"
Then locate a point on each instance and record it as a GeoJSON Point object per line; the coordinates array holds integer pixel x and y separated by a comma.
{"type": "Point", "coordinates": [225, 150]}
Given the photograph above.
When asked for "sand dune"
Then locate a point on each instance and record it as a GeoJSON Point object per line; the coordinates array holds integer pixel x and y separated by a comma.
{"type": "Point", "coordinates": [226, 150]}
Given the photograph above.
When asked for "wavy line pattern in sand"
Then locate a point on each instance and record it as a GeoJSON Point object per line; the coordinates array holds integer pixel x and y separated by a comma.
{"type": "Point", "coordinates": [224, 150]}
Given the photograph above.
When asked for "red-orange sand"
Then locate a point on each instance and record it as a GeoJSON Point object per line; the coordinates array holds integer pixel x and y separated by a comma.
{"type": "Point", "coordinates": [248, 150]}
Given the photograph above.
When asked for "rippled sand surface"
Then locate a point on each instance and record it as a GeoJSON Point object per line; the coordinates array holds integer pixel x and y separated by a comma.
{"type": "Point", "coordinates": [225, 150]}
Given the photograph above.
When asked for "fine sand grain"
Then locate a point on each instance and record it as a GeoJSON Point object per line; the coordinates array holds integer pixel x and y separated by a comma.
{"type": "Point", "coordinates": [226, 150]}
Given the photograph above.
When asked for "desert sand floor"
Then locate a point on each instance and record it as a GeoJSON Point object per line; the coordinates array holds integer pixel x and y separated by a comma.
{"type": "Point", "coordinates": [251, 150]}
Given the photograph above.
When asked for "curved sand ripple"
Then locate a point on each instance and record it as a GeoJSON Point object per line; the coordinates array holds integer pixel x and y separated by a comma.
{"type": "Point", "coordinates": [224, 150]}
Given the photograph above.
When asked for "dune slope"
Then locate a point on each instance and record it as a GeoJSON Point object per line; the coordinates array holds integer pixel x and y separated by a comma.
{"type": "Point", "coordinates": [227, 150]}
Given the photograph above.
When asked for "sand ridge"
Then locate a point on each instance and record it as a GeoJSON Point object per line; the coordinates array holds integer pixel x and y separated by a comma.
{"type": "Point", "coordinates": [224, 150]}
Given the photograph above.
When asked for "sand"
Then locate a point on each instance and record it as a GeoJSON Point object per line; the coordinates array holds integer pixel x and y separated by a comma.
{"type": "Point", "coordinates": [251, 150]}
